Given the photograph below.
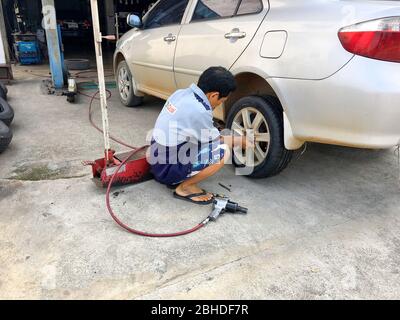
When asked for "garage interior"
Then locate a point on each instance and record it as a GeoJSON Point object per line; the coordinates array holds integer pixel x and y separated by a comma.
{"type": "Point", "coordinates": [326, 228]}
{"type": "Point", "coordinates": [23, 21]}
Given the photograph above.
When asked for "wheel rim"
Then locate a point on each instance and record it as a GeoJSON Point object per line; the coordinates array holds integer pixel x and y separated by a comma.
{"type": "Point", "coordinates": [124, 83]}
{"type": "Point", "coordinates": [251, 121]}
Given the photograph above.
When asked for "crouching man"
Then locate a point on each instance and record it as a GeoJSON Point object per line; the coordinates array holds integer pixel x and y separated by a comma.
{"type": "Point", "coordinates": [186, 148]}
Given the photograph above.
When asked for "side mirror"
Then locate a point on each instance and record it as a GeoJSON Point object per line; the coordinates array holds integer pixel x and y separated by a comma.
{"type": "Point", "coordinates": [134, 21]}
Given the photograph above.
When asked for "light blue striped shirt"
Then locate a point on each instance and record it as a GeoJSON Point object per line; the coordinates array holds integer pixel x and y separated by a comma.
{"type": "Point", "coordinates": [186, 116]}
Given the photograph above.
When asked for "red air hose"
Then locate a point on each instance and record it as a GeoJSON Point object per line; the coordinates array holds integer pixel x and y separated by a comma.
{"type": "Point", "coordinates": [108, 203]}
{"type": "Point", "coordinates": [137, 232]}
{"type": "Point", "coordinates": [96, 127]}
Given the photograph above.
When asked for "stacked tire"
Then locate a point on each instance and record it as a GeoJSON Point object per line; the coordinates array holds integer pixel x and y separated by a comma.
{"type": "Point", "coordinates": [6, 117]}
{"type": "Point", "coordinates": [3, 91]}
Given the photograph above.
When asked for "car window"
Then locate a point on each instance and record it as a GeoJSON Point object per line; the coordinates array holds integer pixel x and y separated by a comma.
{"type": "Point", "coordinates": [166, 12]}
{"type": "Point", "coordinates": [211, 9]}
{"type": "Point", "coordinates": [250, 6]}
{"type": "Point", "coordinates": [215, 9]}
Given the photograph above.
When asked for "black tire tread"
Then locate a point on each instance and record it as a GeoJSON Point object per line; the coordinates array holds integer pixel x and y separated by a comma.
{"type": "Point", "coordinates": [3, 91]}
{"type": "Point", "coordinates": [77, 64]}
{"type": "Point", "coordinates": [6, 112]}
{"type": "Point", "coordinates": [4, 87]}
{"type": "Point", "coordinates": [5, 136]}
{"type": "Point", "coordinates": [287, 154]}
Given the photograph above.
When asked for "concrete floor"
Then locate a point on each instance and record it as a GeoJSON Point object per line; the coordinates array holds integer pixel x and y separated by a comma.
{"type": "Point", "coordinates": [327, 228]}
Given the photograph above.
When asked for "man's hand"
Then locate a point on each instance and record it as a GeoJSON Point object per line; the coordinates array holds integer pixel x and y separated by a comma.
{"type": "Point", "coordinates": [249, 142]}
{"type": "Point", "coordinates": [237, 141]}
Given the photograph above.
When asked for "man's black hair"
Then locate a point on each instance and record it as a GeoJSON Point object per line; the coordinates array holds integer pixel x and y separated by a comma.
{"type": "Point", "coordinates": [217, 79]}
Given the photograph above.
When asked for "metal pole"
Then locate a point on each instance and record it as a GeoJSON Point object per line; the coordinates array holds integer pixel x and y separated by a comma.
{"type": "Point", "coordinates": [53, 43]}
{"type": "Point", "coordinates": [100, 71]}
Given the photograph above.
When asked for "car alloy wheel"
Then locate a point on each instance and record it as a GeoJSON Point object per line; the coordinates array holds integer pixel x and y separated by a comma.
{"type": "Point", "coordinates": [262, 119]}
{"type": "Point", "coordinates": [124, 83]}
{"type": "Point", "coordinates": [251, 121]}
{"type": "Point", "coordinates": [126, 87]}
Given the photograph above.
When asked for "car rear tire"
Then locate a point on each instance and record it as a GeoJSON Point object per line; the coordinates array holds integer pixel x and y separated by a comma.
{"type": "Point", "coordinates": [6, 112]}
{"type": "Point", "coordinates": [3, 91]}
{"type": "Point", "coordinates": [125, 86]}
{"type": "Point", "coordinates": [264, 116]}
{"type": "Point", "coordinates": [5, 136]}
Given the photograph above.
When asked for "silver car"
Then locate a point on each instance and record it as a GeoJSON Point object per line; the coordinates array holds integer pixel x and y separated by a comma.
{"type": "Point", "coordinates": [324, 71]}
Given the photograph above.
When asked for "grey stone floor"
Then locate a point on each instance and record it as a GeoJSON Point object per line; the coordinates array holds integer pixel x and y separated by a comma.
{"type": "Point", "coordinates": [328, 227]}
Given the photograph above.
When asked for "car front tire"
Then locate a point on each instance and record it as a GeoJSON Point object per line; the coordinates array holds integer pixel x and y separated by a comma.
{"type": "Point", "coordinates": [125, 86]}
{"type": "Point", "coordinates": [264, 117]}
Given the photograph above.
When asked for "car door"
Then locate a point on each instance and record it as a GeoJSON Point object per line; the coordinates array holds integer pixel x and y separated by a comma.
{"type": "Point", "coordinates": [153, 48]}
{"type": "Point", "coordinates": [215, 34]}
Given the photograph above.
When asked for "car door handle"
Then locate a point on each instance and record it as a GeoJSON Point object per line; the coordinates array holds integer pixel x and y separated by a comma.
{"type": "Point", "coordinates": [170, 38]}
{"type": "Point", "coordinates": [235, 34]}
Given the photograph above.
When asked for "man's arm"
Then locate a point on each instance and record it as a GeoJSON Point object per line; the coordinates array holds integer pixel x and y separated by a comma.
{"type": "Point", "coordinates": [235, 141]}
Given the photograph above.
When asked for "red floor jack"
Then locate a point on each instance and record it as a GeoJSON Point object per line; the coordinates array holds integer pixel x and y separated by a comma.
{"type": "Point", "coordinates": [135, 168]}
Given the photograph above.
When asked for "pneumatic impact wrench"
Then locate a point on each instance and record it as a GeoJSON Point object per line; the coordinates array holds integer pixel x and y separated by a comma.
{"type": "Point", "coordinates": [224, 205]}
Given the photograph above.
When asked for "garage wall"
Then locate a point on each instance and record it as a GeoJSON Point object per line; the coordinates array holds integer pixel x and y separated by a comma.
{"type": "Point", "coordinates": [109, 16]}
{"type": "Point", "coordinates": [2, 52]}
{"type": "Point", "coordinates": [4, 57]}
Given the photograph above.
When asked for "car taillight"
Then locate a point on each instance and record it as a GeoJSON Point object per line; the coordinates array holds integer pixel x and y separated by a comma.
{"type": "Point", "coordinates": [376, 39]}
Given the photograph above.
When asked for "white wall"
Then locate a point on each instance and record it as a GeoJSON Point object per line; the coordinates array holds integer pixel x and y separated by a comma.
{"type": "Point", "coordinates": [2, 53]}
{"type": "Point", "coordinates": [3, 37]}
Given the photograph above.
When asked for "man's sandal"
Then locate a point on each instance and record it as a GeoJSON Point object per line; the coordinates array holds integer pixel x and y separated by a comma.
{"type": "Point", "coordinates": [190, 197]}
